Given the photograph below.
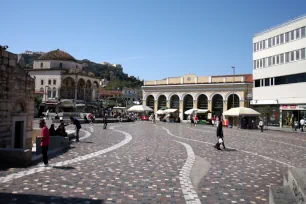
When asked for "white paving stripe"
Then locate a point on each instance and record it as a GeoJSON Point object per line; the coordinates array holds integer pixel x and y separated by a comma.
{"type": "Point", "coordinates": [189, 192]}
{"type": "Point", "coordinates": [255, 154]}
{"type": "Point", "coordinates": [293, 145]}
{"type": "Point", "coordinates": [13, 176]}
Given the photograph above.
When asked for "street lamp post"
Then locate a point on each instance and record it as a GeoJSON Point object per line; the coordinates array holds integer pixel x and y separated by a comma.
{"type": "Point", "coordinates": [233, 67]}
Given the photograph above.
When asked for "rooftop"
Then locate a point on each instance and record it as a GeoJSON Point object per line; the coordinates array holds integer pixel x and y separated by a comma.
{"type": "Point", "coordinates": [57, 55]}
{"type": "Point", "coordinates": [281, 25]}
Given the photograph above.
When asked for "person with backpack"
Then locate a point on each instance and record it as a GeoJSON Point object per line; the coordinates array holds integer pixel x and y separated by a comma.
{"type": "Point", "coordinates": [77, 124]}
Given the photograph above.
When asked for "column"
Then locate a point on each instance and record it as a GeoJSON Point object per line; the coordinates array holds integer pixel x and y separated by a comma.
{"type": "Point", "coordinates": [242, 103]}
{"type": "Point", "coordinates": [195, 104]}
{"type": "Point", "coordinates": [181, 109]}
{"type": "Point", "coordinates": [155, 107]}
{"type": "Point", "coordinates": [224, 105]}
{"type": "Point", "coordinates": [144, 102]}
{"type": "Point", "coordinates": [210, 105]}
{"type": "Point", "coordinates": [168, 103]}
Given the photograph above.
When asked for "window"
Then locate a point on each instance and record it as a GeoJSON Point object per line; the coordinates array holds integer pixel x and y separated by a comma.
{"type": "Point", "coordinates": [287, 57]}
{"type": "Point", "coordinates": [292, 35]}
{"type": "Point", "coordinates": [281, 38]}
{"type": "Point", "coordinates": [269, 61]}
{"type": "Point", "coordinates": [42, 82]}
{"type": "Point", "coordinates": [257, 83]}
{"type": "Point", "coordinates": [303, 53]}
{"type": "Point", "coordinates": [292, 56]}
{"type": "Point", "coordinates": [297, 55]}
{"type": "Point", "coordinates": [286, 37]}
{"type": "Point", "coordinates": [267, 82]}
{"type": "Point", "coordinates": [277, 40]}
{"type": "Point", "coordinates": [54, 82]}
{"type": "Point", "coordinates": [257, 44]}
{"type": "Point", "coordinates": [49, 81]}
{"type": "Point", "coordinates": [290, 79]}
{"type": "Point", "coordinates": [41, 65]}
{"type": "Point", "coordinates": [254, 66]}
{"type": "Point", "coordinates": [260, 62]}
{"type": "Point", "coordinates": [60, 65]}
{"type": "Point", "coordinates": [273, 60]}
{"type": "Point", "coordinates": [273, 41]}
{"type": "Point", "coordinates": [264, 62]}
{"type": "Point", "coordinates": [303, 32]}
{"type": "Point", "coordinates": [254, 44]}
{"type": "Point", "coordinates": [260, 45]}
{"type": "Point", "coordinates": [264, 44]}
{"type": "Point", "coordinates": [257, 61]}
{"type": "Point", "coordinates": [297, 33]}
{"type": "Point", "coordinates": [41, 89]}
{"type": "Point", "coordinates": [54, 93]}
{"type": "Point", "coordinates": [277, 59]}
{"type": "Point", "coordinates": [269, 42]}
{"type": "Point", "coordinates": [49, 93]}
{"type": "Point", "coordinates": [281, 58]}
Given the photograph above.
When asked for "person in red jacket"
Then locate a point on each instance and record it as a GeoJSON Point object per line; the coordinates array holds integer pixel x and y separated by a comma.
{"type": "Point", "coordinates": [45, 140]}
{"type": "Point", "coordinates": [195, 120]}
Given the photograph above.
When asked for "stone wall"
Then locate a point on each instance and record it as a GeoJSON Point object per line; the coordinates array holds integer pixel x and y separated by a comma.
{"type": "Point", "coordinates": [16, 99]}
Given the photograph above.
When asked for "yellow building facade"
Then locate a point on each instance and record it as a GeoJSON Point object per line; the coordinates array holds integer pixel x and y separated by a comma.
{"type": "Point", "coordinates": [215, 93]}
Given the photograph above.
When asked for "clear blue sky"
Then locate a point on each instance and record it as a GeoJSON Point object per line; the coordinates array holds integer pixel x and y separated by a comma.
{"type": "Point", "coordinates": [151, 39]}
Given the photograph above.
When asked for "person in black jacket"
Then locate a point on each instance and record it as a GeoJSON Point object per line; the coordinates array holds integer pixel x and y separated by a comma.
{"type": "Point", "coordinates": [52, 130]}
{"type": "Point", "coordinates": [220, 135]}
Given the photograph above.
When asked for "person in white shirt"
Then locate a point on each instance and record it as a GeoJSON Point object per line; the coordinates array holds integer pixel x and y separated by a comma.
{"type": "Point", "coordinates": [261, 125]}
{"type": "Point", "coordinates": [302, 122]}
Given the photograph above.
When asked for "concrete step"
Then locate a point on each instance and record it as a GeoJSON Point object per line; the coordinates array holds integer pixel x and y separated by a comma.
{"type": "Point", "coordinates": [297, 184]}
{"type": "Point", "coordinates": [281, 195]}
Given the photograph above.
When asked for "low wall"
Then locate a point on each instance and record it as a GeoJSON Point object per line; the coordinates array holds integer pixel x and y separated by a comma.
{"type": "Point", "coordinates": [55, 142]}
{"type": "Point", "coordinates": [15, 157]}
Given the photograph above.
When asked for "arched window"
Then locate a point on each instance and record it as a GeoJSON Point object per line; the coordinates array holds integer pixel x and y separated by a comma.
{"type": "Point", "coordinates": [49, 93]}
{"type": "Point", "coordinates": [54, 93]}
{"type": "Point", "coordinates": [60, 65]}
{"type": "Point", "coordinates": [41, 89]}
{"type": "Point", "coordinates": [41, 65]}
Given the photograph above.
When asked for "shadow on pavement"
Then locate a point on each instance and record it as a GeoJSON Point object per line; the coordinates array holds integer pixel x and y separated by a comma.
{"type": "Point", "coordinates": [229, 150]}
{"type": "Point", "coordinates": [30, 198]}
{"type": "Point", "coordinates": [87, 142]}
{"type": "Point", "coordinates": [63, 167]}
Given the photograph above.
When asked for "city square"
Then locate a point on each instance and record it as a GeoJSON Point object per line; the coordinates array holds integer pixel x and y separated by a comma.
{"type": "Point", "coordinates": [143, 162]}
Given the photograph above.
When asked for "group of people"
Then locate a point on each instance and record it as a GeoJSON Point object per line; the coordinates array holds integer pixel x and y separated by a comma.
{"type": "Point", "coordinates": [61, 131]}
{"type": "Point", "coordinates": [295, 125]}
{"type": "Point", "coordinates": [193, 119]}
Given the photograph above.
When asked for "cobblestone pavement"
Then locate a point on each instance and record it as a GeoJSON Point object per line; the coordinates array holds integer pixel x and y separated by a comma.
{"type": "Point", "coordinates": [151, 163]}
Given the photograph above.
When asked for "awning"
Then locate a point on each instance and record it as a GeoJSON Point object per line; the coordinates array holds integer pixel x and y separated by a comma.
{"type": "Point", "coordinates": [160, 112]}
{"type": "Point", "coordinates": [80, 105]}
{"type": "Point", "coordinates": [170, 110]}
{"type": "Point", "coordinates": [190, 111]}
{"type": "Point", "coordinates": [140, 108]}
{"type": "Point", "coordinates": [241, 111]}
{"type": "Point", "coordinates": [263, 102]}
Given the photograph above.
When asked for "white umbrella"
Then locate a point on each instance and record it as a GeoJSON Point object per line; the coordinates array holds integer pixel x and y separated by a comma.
{"type": "Point", "coordinates": [140, 108]}
{"type": "Point", "coordinates": [170, 110]}
{"type": "Point", "coordinates": [241, 111]}
{"type": "Point", "coordinates": [160, 112]}
{"type": "Point", "coordinates": [190, 111]}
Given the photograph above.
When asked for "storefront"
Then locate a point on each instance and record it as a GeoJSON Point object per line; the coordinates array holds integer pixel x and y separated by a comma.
{"type": "Point", "coordinates": [270, 114]}
{"type": "Point", "coordinates": [291, 113]}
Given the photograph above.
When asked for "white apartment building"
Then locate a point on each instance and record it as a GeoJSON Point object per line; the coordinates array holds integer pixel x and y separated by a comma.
{"type": "Point", "coordinates": [279, 72]}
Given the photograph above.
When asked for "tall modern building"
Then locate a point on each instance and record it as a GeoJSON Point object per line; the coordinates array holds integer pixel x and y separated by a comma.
{"type": "Point", "coordinates": [279, 72]}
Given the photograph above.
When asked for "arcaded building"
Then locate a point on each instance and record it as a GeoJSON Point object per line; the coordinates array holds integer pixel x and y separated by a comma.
{"type": "Point", "coordinates": [215, 93]}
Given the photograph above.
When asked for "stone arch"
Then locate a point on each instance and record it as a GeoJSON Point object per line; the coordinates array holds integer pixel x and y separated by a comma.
{"type": "Point", "coordinates": [174, 101]}
{"type": "Point", "coordinates": [49, 92]}
{"type": "Point", "coordinates": [231, 103]}
{"type": "Point", "coordinates": [96, 83]}
{"type": "Point", "coordinates": [147, 95]}
{"type": "Point", "coordinates": [81, 83]}
{"type": "Point", "coordinates": [187, 104]}
{"type": "Point", "coordinates": [161, 101]}
{"type": "Point", "coordinates": [41, 89]}
{"type": "Point", "coordinates": [69, 82]}
{"type": "Point", "coordinates": [150, 101]}
{"type": "Point", "coordinates": [67, 89]}
{"type": "Point", "coordinates": [202, 101]}
{"type": "Point", "coordinates": [54, 92]}
{"type": "Point", "coordinates": [198, 94]}
{"type": "Point", "coordinates": [213, 94]}
{"type": "Point", "coordinates": [230, 93]}
{"type": "Point", "coordinates": [88, 84]}
{"type": "Point", "coordinates": [217, 104]}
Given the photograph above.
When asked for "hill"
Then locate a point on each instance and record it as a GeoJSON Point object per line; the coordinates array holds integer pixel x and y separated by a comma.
{"type": "Point", "coordinates": [115, 76]}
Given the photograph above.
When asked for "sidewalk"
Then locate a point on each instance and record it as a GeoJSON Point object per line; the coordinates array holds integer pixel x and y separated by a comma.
{"type": "Point", "coordinates": [283, 129]}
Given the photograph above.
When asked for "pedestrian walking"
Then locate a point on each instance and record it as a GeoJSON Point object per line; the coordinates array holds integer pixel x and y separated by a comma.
{"type": "Point", "coordinates": [45, 140]}
{"type": "Point", "coordinates": [213, 121]}
{"type": "Point", "coordinates": [220, 136]}
{"type": "Point", "coordinates": [296, 125]}
{"type": "Point", "coordinates": [195, 120]}
{"type": "Point", "coordinates": [153, 118]}
{"type": "Point", "coordinates": [77, 124]}
{"type": "Point", "coordinates": [261, 125]}
{"type": "Point", "coordinates": [302, 123]}
{"type": "Point", "coordinates": [105, 121]}
{"type": "Point", "coordinates": [189, 119]}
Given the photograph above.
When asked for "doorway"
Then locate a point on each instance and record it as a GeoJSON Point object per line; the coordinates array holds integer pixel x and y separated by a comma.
{"type": "Point", "coordinates": [18, 141]}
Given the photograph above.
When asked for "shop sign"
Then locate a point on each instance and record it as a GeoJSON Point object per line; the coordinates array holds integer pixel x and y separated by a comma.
{"type": "Point", "coordinates": [293, 107]}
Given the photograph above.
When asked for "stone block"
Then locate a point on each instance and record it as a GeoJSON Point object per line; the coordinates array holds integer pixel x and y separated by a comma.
{"type": "Point", "coordinates": [55, 143]}
{"type": "Point", "coordinates": [297, 183]}
{"type": "Point", "coordinates": [281, 195]}
{"type": "Point", "coordinates": [15, 157]}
